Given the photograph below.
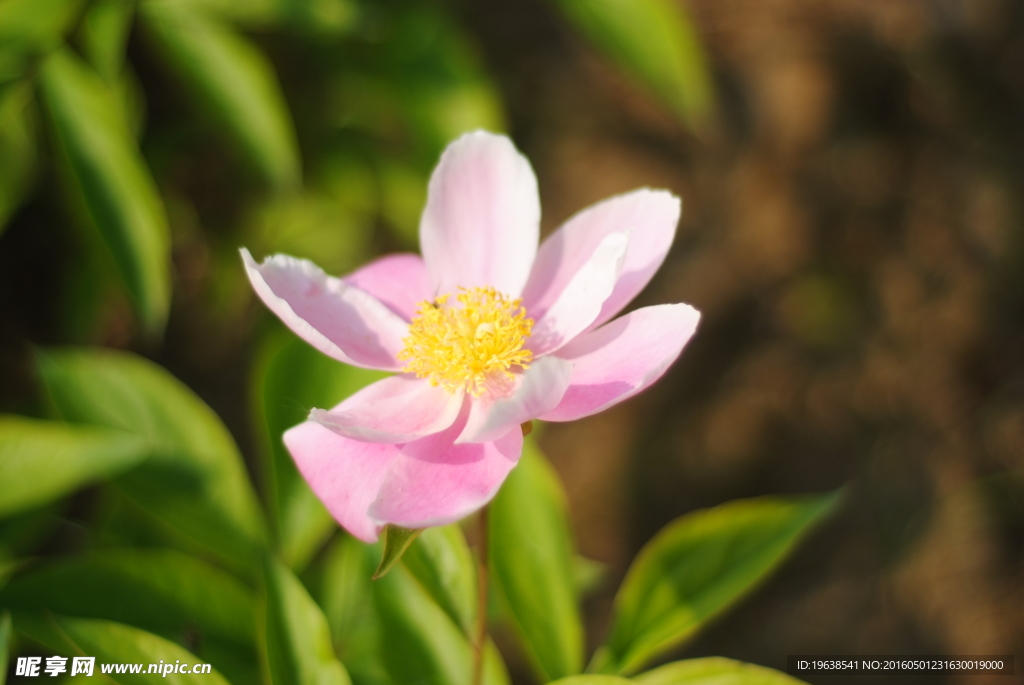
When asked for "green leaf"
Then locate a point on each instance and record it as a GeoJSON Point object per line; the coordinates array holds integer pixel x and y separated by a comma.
{"type": "Point", "coordinates": [591, 680]}
{"type": "Point", "coordinates": [31, 28]}
{"type": "Point", "coordinates": [698, 566]}
{"type": "Point", "coordinates": [108, 174]}
{"type": "Point", "coordinates": [21, 534]}
{"type": "Point", "coordinates": [110, 643]}
{"type": "Point", "coordinates": [105, 36]}
{"type": "Point", "coordinates": [422, 644]}
{"type": "Point", "coordinates": [714, 671]}
{"type": "Point", "coordinates": [17, 148]}
{"type": "Point", "coordinates": [5, 645]}
{"type": "Point", "coordinates": [195, 480]}
{"type": "Point", "coordinates": [396, 541]}
{"type": "Point", "coordinates": [346, 596]}
{"type": "Point", "coordinates": [654, 41]}
{"type": "Point", "coordinates": [161, 590]}
{"type": "Point", "coordinates": [532, 555]}
{"type": "Point", "coordinates": [443, 564]}
{"type": "Point", "coordinates": [298, 639]}
{"type": "Point", "coordinates": [345, 593]}
{"type": "Point", "coordinates": [231, 78]}
{"type": "Point", "coordinates": [41, 461]}
{"type": "Point", "coordinates": [291, 379]}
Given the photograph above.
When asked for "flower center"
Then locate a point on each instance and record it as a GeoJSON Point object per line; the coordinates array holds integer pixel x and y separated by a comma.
{"type": "Point", "coordinates": [471, 343]}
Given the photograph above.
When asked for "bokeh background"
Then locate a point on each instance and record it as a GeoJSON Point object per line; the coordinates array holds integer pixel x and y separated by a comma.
{"type": "Point", "coordinates": [852, 176]}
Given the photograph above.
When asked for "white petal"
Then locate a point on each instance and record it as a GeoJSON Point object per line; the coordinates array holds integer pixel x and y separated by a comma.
{"type": "Point", "coordinates": [394, 410]}
{"type": "Point", "coordinates": [537, 390]}
{"type": "Point", "coordinates": [621, 358]}
{"type": "Point", "coordinates": [651, 214]}
{"type": "Point", "coordinates": [482, 220]}
{"type": "Point", "coordinates": [581, 300]}
{"type": "Point", "coordinates": [341, 321]}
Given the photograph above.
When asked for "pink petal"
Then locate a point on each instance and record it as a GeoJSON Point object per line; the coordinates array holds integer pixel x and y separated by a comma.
{"type": "Point", "coordinates": [340, 321]}
{"type": "Point", "coordinates": [400, 281]}
{"type": "Point", "coordinates": [651, 215]}
{"type": "Point", "coordinates": [580, 301]}
{"type": "Point", "coordinates": [622, 358]}
{"type": "Point", "coordinates": [394, 410]}
{"type": "Point", "coordinates": [482, 220]}
{"type": "Point", "coordinates": [433, 482]}
{"type": "Point", "coordinates": [345, 474]}
{"type": "Point", "coordinates": [537, 390]}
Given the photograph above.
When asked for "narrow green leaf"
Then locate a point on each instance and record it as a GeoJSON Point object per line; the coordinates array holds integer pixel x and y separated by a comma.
{"type": "Point", "coordinates": [443, 564]}
{"type": "Point", "coordinates": [113, 642]}
{"type": "Point", "coordinates": [654, 41]}
{"type": "Point", "coordinates": [5, 645]}
{"type": "Point", "coordinates": [105, 36]}
{"type": "Point", "coordinates": [231, 78]}
{"type": "Point", "coordinates": [17, 148]}
{"type": "Point", "coordinates": [298, 638]}
{"type": "Point", "coordinates": [346, 596]}
{"type": "Point", "coordinates": [591, 680]}
{"type": "Point", "coordinates": [108, 173]}
{"type": "Point", "coordinates": [532, 555]}
{"type": "Point", "coordinates": [698, 566]}
{"type": "Point", "coordinates": [261, 14]}
{"type": "Point", "coordinates": [291, 379]}
{"type": "Point", "coordinates": [421, 643]}
{"type": "Point", "coordinates": [41, 461]}
{"type": "Point", "coordinates": [195, 480]}
{"type": "Point", "coordinates": [161, 590]}
{"type": "Point", "coordinates": [396, 541]}
{"type": "Point", "coordinates": [331, 18]}
{"type": "Point", "coordinates": [714, 671]}
{"type": "Point", "coordinates": [31, 28]}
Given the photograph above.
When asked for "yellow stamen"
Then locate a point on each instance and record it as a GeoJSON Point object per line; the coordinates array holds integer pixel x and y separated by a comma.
{"type": "Point", "coordinates": [472, 343]}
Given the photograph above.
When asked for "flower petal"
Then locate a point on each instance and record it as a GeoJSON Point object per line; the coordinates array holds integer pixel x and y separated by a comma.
{"type": "Point", "coordinates": [580, 301]}
{"type": "Point", "coordinates": [482, 220]}
{"type": "Point", "coordinates": [400, 281]}
{"type": "Point", "coordinates": [652, 216]}
{"type": "Point", "coordinates": [339, 320]}
{"type": "Point", "coordinates": [433, 482]}
{"type": "Point", "coordinates": [622, 358]}
{"type": "Point", "coordinates": [345, 474]}
{"type": "Point", "coordinates": [397, 409]}
{"type": "Point", "coordinates": [537, 390]}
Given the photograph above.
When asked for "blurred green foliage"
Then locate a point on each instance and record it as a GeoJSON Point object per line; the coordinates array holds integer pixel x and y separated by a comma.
{"type": "Point", "coordinates": [111, 642]}
{"type": "Point", "coordinates": [147, 584]}
{"type": "Point", "coordinates": [654, 41]}
{"type": "Point", "coordinates": [108, 179]}
{"type": "Point", "coordinates": [713, 671]}
{"type": "Point", "coordinates": [530, 511]}
{"type": "Point", "coordinates": [213, 504]}
{"type": "Point", "coordinates": [298, 638]}
{"type": "Point", "coordinates": [696, 567]}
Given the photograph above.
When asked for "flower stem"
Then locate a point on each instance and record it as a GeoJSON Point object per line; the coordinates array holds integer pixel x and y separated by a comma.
{"type": "Point", "coordinates": [480, 639]}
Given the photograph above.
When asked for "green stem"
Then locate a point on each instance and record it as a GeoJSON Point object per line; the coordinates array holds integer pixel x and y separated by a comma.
{"type": "Point", "coordinates": [480, 639]}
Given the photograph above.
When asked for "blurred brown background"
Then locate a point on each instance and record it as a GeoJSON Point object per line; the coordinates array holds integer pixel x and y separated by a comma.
{"type": "Point", "coordinates": [851, 234]}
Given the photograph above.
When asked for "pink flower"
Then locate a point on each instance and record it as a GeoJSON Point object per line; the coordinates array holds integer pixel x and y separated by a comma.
{"type": "Point", "coordinates": [484, 332]}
